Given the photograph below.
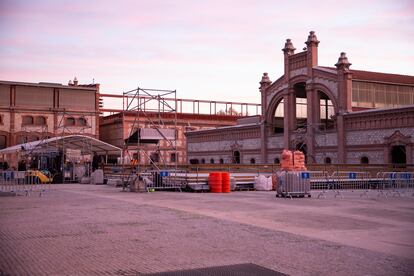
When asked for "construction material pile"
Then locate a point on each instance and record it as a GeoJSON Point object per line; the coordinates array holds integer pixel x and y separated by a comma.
{"type": "Point", "coordinates": [293, 161]}
{"type": "Point", "coordinates": [263, 183]}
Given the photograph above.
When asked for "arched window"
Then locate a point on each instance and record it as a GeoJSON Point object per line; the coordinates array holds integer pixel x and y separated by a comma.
{"type": "Point", "coordinates": [326, 111]}
{"type": "Point", "coordinates": [193, 161]}
{"type": "Point", "coordinates": [221, 161]}
{"type": "Point", "coordinates": [203, 161]}
{"type": "Point", "coordinates": [211, 161]}
{"type": "Point", "coordinates": [252, 161]}
{"type": "Point", "coordinates": [40, 121]}
{"type": "Point", "coordinates": [82, 121]}
{"type": "Point", "coordinates": [70, 121]}
{"type": "Point", "coordinates": [328, 160]}
{"type": "Point", "coordinates": [364, 160]}
{"type": "Point", "coordinates": [301, 103]}
{"type": "Point", "coordinates": [277, 161]}
{"type": "Point", "coordinates": [27, 120]}
{"type": "Point", "coordinates": [1, 119]}
{"type": "Point", "coordinates": [278, 120]}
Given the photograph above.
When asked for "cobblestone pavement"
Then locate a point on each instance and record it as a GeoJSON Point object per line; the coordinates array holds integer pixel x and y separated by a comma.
{"type": "Point", "coordinates": [98, 230]}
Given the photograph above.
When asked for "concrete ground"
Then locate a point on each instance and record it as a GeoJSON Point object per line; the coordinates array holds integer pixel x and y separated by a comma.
{"type": "Point", "coordinates": [94, 230]}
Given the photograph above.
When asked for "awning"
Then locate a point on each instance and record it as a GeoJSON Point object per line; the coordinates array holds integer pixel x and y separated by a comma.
{"type": "Point", "coordinates": [83, 143]}
{"type": "Point", "coordinates": [150, 136]}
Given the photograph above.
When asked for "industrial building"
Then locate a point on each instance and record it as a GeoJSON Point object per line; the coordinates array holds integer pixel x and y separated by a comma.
{"type": "Point", "coordinates": [169, 117]}
{"type": "Point", "coordinates": [333, 114]}
{"type": "Point", "coordinates": [38, 111]}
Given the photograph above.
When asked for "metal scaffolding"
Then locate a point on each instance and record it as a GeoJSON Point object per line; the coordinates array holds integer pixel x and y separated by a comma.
{"type": "Point", "coordinates": [149, 107]}
{"type": "Point", "coordinates": [64, 128]}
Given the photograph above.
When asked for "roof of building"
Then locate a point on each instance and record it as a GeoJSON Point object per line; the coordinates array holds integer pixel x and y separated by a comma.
{"type": "Point", "coordinates": [76, 142]}
{"type": "Point", "coordinates": [133, 114]}
{"type": "Point", "coordinates": [381, 110]}
{"type": "Point", "coordinates": [52, 85]}
{"type": "Point", "coordinates": [378, 76]}
{"type": "Point", "coordinates": [223, 128]}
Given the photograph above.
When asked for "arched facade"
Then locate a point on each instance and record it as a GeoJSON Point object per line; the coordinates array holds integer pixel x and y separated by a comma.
{"type": "Point", "coordinates": [321, 111]}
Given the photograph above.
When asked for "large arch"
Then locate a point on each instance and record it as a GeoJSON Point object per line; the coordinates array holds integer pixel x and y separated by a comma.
{"type": "Point", "coordinates": [274, 102]}
{"type": "Point", "coordinates": [321, 87]}
{"type": "Point", "coordinates": [277, 117]}
{"type": "Point", "coordinates": [298, 79]}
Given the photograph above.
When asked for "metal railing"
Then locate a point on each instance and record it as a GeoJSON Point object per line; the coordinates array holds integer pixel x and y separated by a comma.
{"type": "Point", "coordinates": [22, 183]}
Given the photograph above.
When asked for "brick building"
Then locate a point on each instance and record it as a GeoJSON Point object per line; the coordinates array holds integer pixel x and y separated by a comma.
{"type": "Point", "coordinates": [332, 114]}
{"type": "Point", "coordinates": [35, 111]}
{"type": "Point", "coordinates": [116, 128]}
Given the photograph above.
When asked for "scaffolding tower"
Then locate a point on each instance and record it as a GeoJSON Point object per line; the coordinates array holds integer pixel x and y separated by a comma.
{"type": "Point", "coordinates": [85, 147]}
{"type": "Point", "coordinates": [149, 108]}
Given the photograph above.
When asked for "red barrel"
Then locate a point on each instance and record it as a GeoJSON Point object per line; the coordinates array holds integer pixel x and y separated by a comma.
{"type": "Point", "coordinates": [225, 176]}
{"type": "Point", "coordinates": [215, 182]}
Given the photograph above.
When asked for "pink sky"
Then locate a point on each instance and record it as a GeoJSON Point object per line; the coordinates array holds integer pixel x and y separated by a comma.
{"type": "Point", "coordinates": [214, 50]}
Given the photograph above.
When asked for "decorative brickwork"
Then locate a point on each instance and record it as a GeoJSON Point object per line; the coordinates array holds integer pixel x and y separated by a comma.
{"type": "Point", "coordinates": [318, 112]}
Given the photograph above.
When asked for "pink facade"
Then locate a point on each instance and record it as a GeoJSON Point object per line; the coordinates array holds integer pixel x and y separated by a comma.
{"type": "Point", "coordinates": [35, 111]}
{"type": "Point", "coordinates": [333, 114]}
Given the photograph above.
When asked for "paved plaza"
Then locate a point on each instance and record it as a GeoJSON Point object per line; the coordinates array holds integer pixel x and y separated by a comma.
{"type": "Point", "coordinates": [100, 230]}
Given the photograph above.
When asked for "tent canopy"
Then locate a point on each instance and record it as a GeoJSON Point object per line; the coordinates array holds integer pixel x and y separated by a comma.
{"type": "Point", "coordinates": [83, 143]}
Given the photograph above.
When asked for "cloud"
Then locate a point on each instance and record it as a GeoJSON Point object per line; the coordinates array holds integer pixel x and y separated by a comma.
{"type": "Point", "coordinates": [221, 44]}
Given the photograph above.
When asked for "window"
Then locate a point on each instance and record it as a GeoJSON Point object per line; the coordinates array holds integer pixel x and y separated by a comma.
{"type": "Point", "coordinates": [328, 160]}
{"type": "Point", "coordinates": [278, 123]}
{"type": "Point", "coordinates": [221, 161]}
{"type": "Point", "coordinates": [252, 161]}
{"type": "Point", "coordinates": [364, 160]}
{"type": "Point", "coordinates": [203, 161]}
{"type": "Point", "coordinates": [236, 157]}
{"type": "Point", "coordinates": [70, 121]}
{"type": "Point", "coordinates": [82, 121]}
{"type": "Point", "coordinates": [1, 119]}
{"type": "Point", "coordinates": [3, 141]}
{"type": "Point", "coordinates": [211, 161]}
{"type": "Point", "coordinates": [40, 121]}
{"type": "Point", "coordinates": [27, 120]}
{"type": "Point", "coordinates": [173, 157]}
{"type": "Point", "coordinates": [193, 161]}
{"type": "Point", "coordinates": [155, 157]}
{"type": "Point", "coordinates": [277, 161]}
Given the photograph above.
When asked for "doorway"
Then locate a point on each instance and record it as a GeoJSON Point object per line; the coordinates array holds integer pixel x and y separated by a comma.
{"type": "Point", "coordinates": [398, 155]}
{"type": "Point", "coordinates": [236, 157]}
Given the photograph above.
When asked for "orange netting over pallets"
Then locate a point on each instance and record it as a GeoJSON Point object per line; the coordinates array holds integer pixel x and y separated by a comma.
{"type": "Point", "coordinates": [293, 161]}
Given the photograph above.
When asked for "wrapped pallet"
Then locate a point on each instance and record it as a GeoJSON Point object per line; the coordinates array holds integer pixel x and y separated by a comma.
{"type": "Point", "coordinates": [299, 161]}
{"type": "Point", "coordinates": [263, 183]}
{"type": "Point", "coordinates": [287, 160]}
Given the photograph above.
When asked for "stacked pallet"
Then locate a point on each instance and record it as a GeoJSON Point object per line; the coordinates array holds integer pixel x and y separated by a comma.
{"type": "Point", "coordinates": [293, 161]}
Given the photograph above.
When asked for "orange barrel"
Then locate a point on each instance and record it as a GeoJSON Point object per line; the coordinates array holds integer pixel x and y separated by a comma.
{"type": "Point", "coordinates": [215, 182]}
{"type": "Point", "coordinates": [225, 176]}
